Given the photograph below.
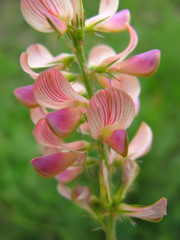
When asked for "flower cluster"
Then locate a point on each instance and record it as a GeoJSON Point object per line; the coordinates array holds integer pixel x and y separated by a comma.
{"type": "Point", "coordinates": [98, 104]}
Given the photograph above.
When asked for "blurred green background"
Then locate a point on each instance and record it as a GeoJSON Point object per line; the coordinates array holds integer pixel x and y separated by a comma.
{"type": "Point", "coordinates": [30, 207]}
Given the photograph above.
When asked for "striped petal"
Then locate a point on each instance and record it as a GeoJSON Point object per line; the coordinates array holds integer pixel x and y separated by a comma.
{"type": "Point", "coordinates": [37, 113]}
{"type": "Point", "coordinates": [109, 110]}
{"type": "Point", "coordinates": [114, 23]}
{"type": "Point", "coordinates": [141, 143]}
{"type": "Point", "coordinates": [51, 165]}
{"type": "Point", "coordinates": [154, 212]}
{"type": "Point", "coordinates": [35, 12]}
{"type": "Point", "coordinates": [25, 65]}
{"type": "Point", "coordinates": [107, 9]}
{"type": "Point", "coordinates": [99, 53]}
{"type": "Point", "coordinates": [63, 121]}
{"type": "Point", "coordinates": [52, 90]}
{"type": "Point", "coordinates": [26, 97]}
{"type": "Point", "coordinates": [121, 109]}
{"type": "Point", "coordinates": [69, 174]}
{"type": "Point", "coordinates": [45, 136]}
{"type": "Point", "coordinates": [144, 64]}
{"type": "Point", "coordinates": [118, 141]}
{"type": "Point", "coordinates": [122, 55]}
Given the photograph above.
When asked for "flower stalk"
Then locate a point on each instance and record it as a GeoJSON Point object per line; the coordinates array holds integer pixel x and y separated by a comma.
{"type": "Point", "coordinates": [98, 117]}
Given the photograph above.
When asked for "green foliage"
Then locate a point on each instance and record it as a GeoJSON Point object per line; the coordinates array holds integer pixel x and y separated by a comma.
{"type": "Point", "coordinates": [30, 207]}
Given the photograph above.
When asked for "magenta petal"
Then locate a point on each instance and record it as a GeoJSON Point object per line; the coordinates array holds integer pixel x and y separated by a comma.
{"type": "Point", "coordinates": [144, 64]}
{"type": "Point", "coordinates": [45, 136]}
{"type": "Point", "coordinates": [63, 121]}
{"type": "Point", "coordinates": [58, 25]}
{"type": "Point", "coordinates": [51, 165]}
{"type": "Point", "coordinates": [114, 23]}
{"type": "Point", "coordinates": [69, 174]}
{"type": "Point", "coordinates": [25, 96]}
{"type": "Point", "coordinates": [118, 141]}
{"type": "Point", "coordinates": [154, 212]}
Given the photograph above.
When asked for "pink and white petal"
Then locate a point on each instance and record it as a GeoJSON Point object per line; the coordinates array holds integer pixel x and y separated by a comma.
{"type": "Point", "coordinates": [78, 11]}
{"type": "Point", "coordinates": [69, 174]}
{"type": "Point", "coordinates": [118, 141]}
{"type": "Point", "coordinates": [51, 165]}
{"type": "Point", "coordinates": [64, 191]}
{"type": "Point", "coordinates": [25, 65]}
{"type": "Point", "coordinates": [38, 56]}
{"type": "Point", "coordinates": [34, 12]}
{"type": "Point", "coordinates": [63, 121]}
{"type": "Point", "coordinates": [45, 136]}
{"type": "Point", "coordinates": [52, 90]}
{"type": "Point", "coordinates": [144, 64]}
{"type": "Point", "coordinates": [137, 106]}
{"type": "Point", "coordinates": [154, 212]}
{"type": "Point", "coordinates": [141, 143]}
{"type": "Point", "coordinates": [58, 25]}
{"type": "Point", "coordinates": [78, 87]}
{"type": "Point", "coordinates": [60, 8]}
{"type": "Point", "coordinates": [99, 53]}
{"type": "Point", "coordinates": [82, 197]}
{"type": "Point", "coordinates": [98, 113]}
{"type": "Point", "coordinates": [114, 23]}
{"type": "Point", "coordinates": [84, 128]}
{"type": "Point", "coordinates": [130, 170]}
{"type": "Point", "coordinates": [25, 96]}
{"type": "Point", "coordinates": [37, 113]}
{"type": "Point", "coordinates": [121, 110]}
{"type": "Point", "coordinates": [121, 56]}
{"type": "Point", "coordinates": [107, 9]}
{"type": "Point", "coordinates": [103, 81]}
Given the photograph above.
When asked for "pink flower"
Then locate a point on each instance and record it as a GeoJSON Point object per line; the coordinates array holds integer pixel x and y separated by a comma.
{"type": "Point", "coordinates": [37, 56]}
{"type": "Point", "coordinates": [154, 212]}
{"type": "Point", "coordinates": [48, 15]}
{"type": "Point", "coordinates": [108, 20]}
{"type": "Point", "coordinates": [104, 59]}
{"type": "Point", "coordinates": [110, 112]}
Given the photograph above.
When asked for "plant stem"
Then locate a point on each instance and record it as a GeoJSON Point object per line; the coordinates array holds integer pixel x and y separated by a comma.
{"type": "Point", "coordinates": [110, 228]}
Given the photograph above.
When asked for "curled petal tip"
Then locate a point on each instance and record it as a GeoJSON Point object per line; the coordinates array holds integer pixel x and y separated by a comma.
{"type": "Point", "coordinates": [51, 165]}
{"type": "Point", "coordinates": [26, 97]}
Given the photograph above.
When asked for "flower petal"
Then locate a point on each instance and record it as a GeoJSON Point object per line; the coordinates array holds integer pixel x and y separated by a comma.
{"type": "Point", "coordinates": [45, 136]}
{"type": "Point", "coordinates": [63, 121]}
{"type": "Point", "coordinates": [154, 212]}
{"type": "Point", "coordinates": [106, 9]}
{"type": "Point", "coordinates": [98, 113]}
{"type": "Point", "coordinates": [118, 141]}
{"type": "Point", "coordinates": [64, 190]}
{"type": "Point", "coordinates": [109, 110]}
{"type": "Point", "coordinates": [51, 165]}
{"type": "Point", "coordinates": [141, 143]}
{"type": "Point", "coordinates": [121, 109]}
{"type": "Point", "coordinates": [35, 11]}
{"type": "Point", "coordinates": [130, 170]}
{"type": "Point", "coordinates": [114, 23]}
{"type": "Point", "coordinates": [37, 113]}
{"type": "Point", "coordinates": [82, 197]}
{"type": "Point", "coordinates": [122, 55]}
{"type": "Point", "coordinates": [25, 65]}
{"type": "Point", "coordinates": [69, 174]}
{"type": "Point", "coordinates": [99, 53]}
{"type": "Point", "coordinates": [25, 96]}
{"type": "Point", "coordinates": [52, 90]}
{"type": "Point", "coordinates": [59, 26]}
{"type": "Point", "coordinates": [144, 64]}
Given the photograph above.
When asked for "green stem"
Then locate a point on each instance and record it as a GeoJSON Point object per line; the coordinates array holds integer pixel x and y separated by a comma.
{"type": "Point", "coordinates": [81, 61]}
{"type": "Point", "coordinates": [110, 228]}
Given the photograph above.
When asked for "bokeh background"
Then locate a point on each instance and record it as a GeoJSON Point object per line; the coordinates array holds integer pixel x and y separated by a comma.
{"type": "Point", "coordinates": [30, 207]}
